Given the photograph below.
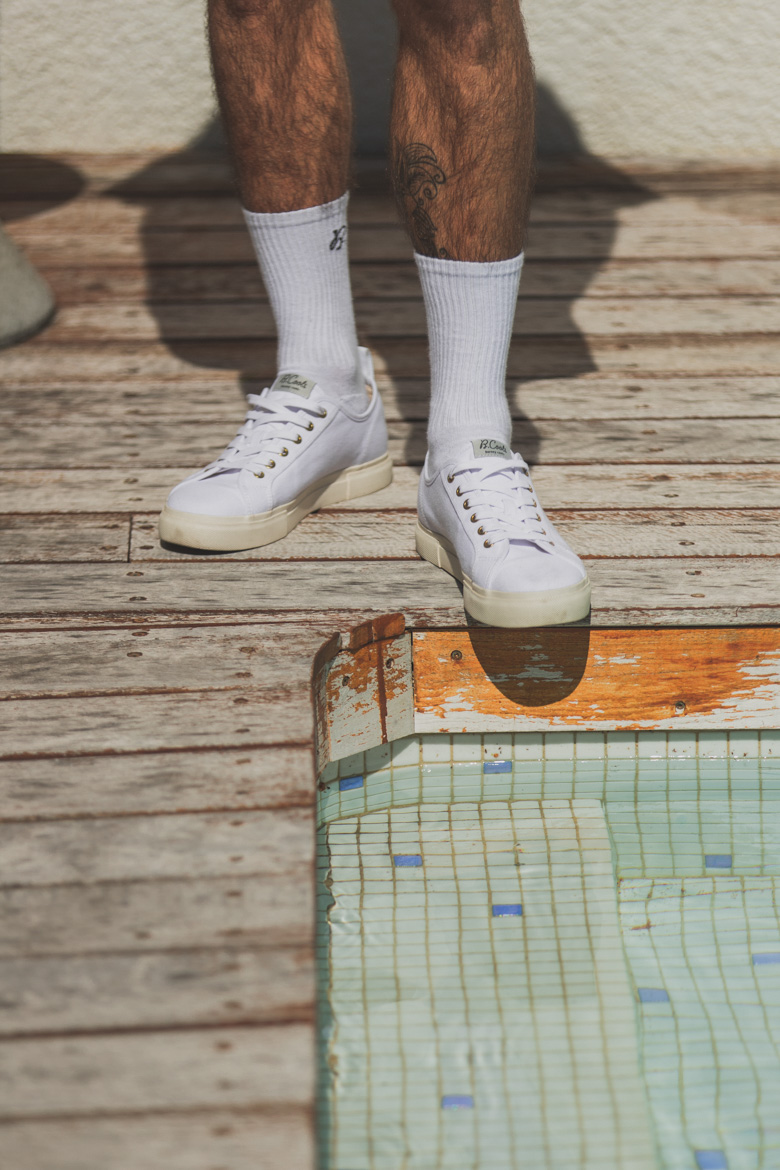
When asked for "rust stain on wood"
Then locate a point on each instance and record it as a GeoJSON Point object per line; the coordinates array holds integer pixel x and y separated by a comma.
{"type": "Point", "coordinates": [589, 678]}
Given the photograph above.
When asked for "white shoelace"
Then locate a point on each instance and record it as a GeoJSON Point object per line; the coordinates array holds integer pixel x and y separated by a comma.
{"type": "Point", "coordinates": [268, 428]}
{"type": "Point", "coordinates": [501, 501]}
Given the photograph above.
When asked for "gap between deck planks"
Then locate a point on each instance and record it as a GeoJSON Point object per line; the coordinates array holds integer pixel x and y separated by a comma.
{"type": "Point", "coordinates": [157, 825]}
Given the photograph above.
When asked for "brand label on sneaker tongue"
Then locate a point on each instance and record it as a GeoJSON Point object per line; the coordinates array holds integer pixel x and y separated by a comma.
{"type": "Point", "coordinates": [294, 384]}
{"type": "Point", "coordinates": [485, 447]}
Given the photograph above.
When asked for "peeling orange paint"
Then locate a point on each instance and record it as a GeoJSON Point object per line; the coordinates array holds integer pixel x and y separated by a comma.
{"type": "Point", "coordinates": [577, 677]}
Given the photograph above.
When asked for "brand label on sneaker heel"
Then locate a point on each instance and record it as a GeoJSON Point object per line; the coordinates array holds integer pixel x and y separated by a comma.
{"type": "Point", "coordinates": [484, 447]}
{"type": "Point", "coordinates": [294, 384]}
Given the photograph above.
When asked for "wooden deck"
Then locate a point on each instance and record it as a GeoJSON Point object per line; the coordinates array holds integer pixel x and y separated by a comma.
{"type": "Point", "coordinates": [157, 779]}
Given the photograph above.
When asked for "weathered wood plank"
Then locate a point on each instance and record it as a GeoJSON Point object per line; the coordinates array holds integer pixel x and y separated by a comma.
{"type": "Point", "coordinates": [77, 443]}
{"type": "Point", "coordinates": [589, 396]}
{"type": "Point", "coordinates": [561, 241]}
{"type": "Point", "coordinates": [655, 485]}
{"type": "Point", "coordinates": [248, 1067]}
{"type": "Point", "coordinates": [562, 278]}
{"type": "Point", "coordinates": [418, 590]}
{"type": "Point", "coordinates": [165, 782]}
{"type": "Point", "coordinates": [243, 660]}
{"type": "Point", "coordinates": [44, 538]}
{"type": "Point", "coordinates": [195, 845]}
{"type": "Point", "coordinates": [182, 989]}
{"type": "Point", "coordinates": [210, 211]}
{"type": "Point", "coordinates": [595, 679]}
{"type": "Point", "coordinates": [557, 317]}
{"type": "Point", "coordinates": [138, 916]}
{"type": "Point", "coordinates": [595, 533]}
{"type": "Point", "coordinates": [549, 357]}
{"type": "Point", "coordinates": [201, 1141]}
{"type": "Point", "coordinates": [274, 714]}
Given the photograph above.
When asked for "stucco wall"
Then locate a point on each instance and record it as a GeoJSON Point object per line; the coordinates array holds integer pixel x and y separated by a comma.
{"type": "Point", "coordinates": [683, 78]}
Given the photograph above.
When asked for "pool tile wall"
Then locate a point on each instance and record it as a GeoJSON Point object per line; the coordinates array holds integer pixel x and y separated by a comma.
{"type": "Point", "coordinates": [694, 853]}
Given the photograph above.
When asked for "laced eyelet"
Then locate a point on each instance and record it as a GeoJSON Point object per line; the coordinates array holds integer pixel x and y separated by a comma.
{"type": "Point", "coordinates": [259, 474]}
{"type": "Point", "coordinates": [450, 478]}
{"type": "Point", "coordinates": [298, 439]}
{"type": "Point", "coordinates": [466, 504]}
{"type": "Point", "coordinates": [488, 543]}
{"type": "Point", "coordinates": [458, 492]}
{"type": "Point", "coordinates": [538, 517]}
{"type": "Point", "coordinates": [271, 464]}
{"type": "Point", "coordinates": [481, 530]}
{"type": "Point", "coordinates": [473, 518]}
{"type": "Point", "coordinates": [284, 451]}
{"type": "Point", "coordinates": [323, 414]}
{"type": "Point", "coordinates": [310, 426]}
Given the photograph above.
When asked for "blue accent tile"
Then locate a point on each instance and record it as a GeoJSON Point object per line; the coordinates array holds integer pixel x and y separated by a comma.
{"type": "Point", "coordinates": [653, 995]}
{"type": "Point", "coordinates": [508, 910]}
{"type": "Point", "coordinates": [350, 782]}
{"type": "Point", "coordinates": [717, 860]}
{"type": "Point", "coordinates": [767, 957]}
{"type": "Point", "coordinates": [402, 860]}
{"type": "Point", "coordinates": [457, 1102]}
{"type": "Point", "coordinates": [711, 1160]}
{"type": "Point", "coordinates": [497, 766]}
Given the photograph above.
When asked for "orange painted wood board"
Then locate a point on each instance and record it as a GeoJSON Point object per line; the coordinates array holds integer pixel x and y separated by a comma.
{"type": "Point", "coordinates": [577, 678]}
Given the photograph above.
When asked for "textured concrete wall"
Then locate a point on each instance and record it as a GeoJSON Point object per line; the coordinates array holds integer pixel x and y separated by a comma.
{"type": "Point", "coordinates": [677, 78]}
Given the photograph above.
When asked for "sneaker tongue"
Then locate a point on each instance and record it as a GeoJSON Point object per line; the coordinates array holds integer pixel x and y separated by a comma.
{"type": "Point", "coordinates": [487, 448]}
{"type": "Point", "coordinates": [294, 384]}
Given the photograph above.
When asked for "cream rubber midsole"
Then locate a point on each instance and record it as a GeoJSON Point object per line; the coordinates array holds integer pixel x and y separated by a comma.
{"type": "Point", "coordinates": [233, 533]}
{"type": "Point", "coordinates": [548, 607]}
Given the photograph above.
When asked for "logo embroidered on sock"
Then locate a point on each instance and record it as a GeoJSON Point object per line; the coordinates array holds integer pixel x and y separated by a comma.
{"type": "Point", "coordinates": [339, 238]}
{"type": "Point", "coordinates": [483, 447]}
{"type": "Point", "coordinates": [294, 384]}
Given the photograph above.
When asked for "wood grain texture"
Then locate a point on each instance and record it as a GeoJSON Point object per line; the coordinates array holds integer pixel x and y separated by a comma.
{"type": "Point", "coordinates": [89, 1076]}
{"type": "Point", "coordinates": [652, 485]}
{"type": "Point", "coordinates": [151, 782]}
{"type": "Point", "coordinates": [528, 680]}
{"type": "Point", "coordinates": [148, 915]}
{"type": "Point", "coordinates": [203, 1140]}
{"type": "Point", "coordinates": [207, 988]}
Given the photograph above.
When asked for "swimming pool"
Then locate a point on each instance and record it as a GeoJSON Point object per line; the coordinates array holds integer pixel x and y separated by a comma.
{"type": "Point", "coordinates": [551, 950]}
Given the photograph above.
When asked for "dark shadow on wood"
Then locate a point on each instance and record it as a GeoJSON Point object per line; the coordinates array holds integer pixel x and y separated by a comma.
{"type": "Point", "coordinates": [533, 668]}
{"type": "Point", "coordinates": [32, 183]}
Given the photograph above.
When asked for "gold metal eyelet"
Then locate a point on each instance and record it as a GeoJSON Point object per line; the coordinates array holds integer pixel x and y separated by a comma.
{"type": "Point", "coordinates": [473, 518]}
{"type": "Point", "coordinates": [538, 517]}
{"type": "Point", "coordinates": [323, 414]}
{"type": "Point", "coordinates": [450, 478]}
{"type": "Point", "coordinates": [481, 530]}
{"type": "Point", "coordinates": [466, 504]}
{"type": "Point", "coordinates": [271, 464]}
{"type": "Point", "coordinates": [298, 439]}
{"type": "Point", "coordinates": [284, 451]}
{"type": "Point", "coordinates": [310, 426]}
{"type": "Point", "coordinates": [488, 543]}
{"type": "Point", "coordinates": [458, 492]}
{"type": "Point", "coordinates": [259, 474]}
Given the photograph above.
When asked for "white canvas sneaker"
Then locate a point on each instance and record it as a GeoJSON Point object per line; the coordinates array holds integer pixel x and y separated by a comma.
{"type": "Point", "coordinates": [480, 520]}
{"type": "Point", "coordinates": [299, 449]}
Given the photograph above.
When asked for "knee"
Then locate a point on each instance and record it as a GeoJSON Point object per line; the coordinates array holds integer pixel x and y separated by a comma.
{"type": "Point", "coordinates": [471, 28]}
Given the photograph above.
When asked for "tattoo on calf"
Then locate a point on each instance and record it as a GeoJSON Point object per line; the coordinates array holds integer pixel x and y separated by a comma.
{"type": "Point", "coordinates": [417, 178]}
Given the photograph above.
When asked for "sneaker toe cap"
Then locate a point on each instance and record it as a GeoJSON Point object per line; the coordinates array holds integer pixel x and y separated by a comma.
{"type": "Point", "coordinates": [538, 571]}
{"type": "Point", "coordinates": [217, 495]}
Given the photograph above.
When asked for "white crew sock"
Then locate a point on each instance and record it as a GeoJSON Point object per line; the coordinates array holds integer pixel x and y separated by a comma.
{"type": "Point", "coordinates": [303, 259]}
{"type": "Point", "coordinates": [470, 309]}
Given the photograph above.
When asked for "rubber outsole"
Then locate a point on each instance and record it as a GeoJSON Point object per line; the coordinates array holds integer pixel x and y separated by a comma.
{"type": "Point", "coordinates": [234, 533]}
{"type": "Point", "coordinates": [549, 607]}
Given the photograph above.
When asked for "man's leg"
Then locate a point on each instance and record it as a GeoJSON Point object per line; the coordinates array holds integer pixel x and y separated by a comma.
{"type": "Point", "coordinates": [462, 163]}
{"type": "Point", "coordinates": [315, 437]}
{"type": "Point", "coordinates": [284, 93]}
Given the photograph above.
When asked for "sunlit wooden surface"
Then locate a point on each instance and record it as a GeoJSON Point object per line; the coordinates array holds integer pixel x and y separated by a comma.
{"type": "Point", "coordinates": [156, 900]}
